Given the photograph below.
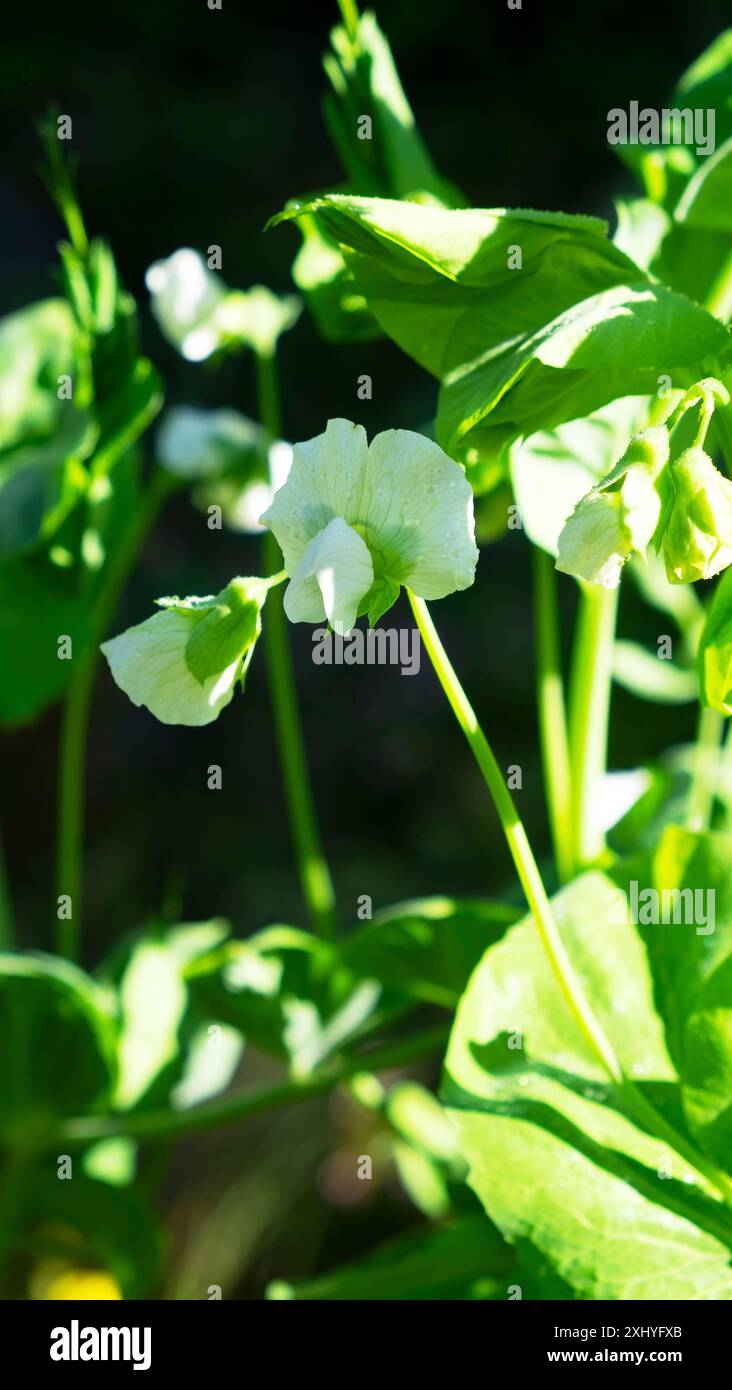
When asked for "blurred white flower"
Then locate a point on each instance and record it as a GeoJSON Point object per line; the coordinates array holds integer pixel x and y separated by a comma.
{"type": "Point", "coordinates": [185, 296]}
{"type": "Point", "coordinates": [225, 455]}
{"type": "Point", "coordinates": [199, 314]}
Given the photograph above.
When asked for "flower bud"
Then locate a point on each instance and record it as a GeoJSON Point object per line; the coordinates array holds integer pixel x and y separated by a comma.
{"type": "Point", "coordinates": [697, 539]}
{"type": "Point", "coordinates": [619, 516]}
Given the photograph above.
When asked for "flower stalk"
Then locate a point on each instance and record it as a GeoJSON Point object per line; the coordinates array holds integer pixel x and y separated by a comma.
{"type": "Point", "coordinates": [315, 879]}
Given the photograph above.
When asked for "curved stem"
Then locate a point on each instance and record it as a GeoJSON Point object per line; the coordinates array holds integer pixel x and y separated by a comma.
{"type": "Point", "coordinates": [628, 1093]}
{"type": "Point", "coordinates": [706, 759]}
{"type": "Point", "coordinates": [313, 871]}
{"type": "Point", "coordinates": [75, 719]}
{"type": "Point", "coordinates": [589, 711]}
{"type": "Point", "coordinates": [552, 714]}
{"type": "Point", "coordinates": [518, 843]}
{"type": "Point", "coordinates": [167, 1124]}
{"type": "Point", "coordinates": [719, 298]}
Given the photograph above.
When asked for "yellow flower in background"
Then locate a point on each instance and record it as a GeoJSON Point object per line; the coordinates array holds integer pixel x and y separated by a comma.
{"type": "Point", "coordinates": [57, 1279]}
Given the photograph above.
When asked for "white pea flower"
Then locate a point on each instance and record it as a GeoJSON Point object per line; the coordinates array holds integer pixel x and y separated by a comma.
{"type": "Point", "coordinates": [618, 517]}
{"type": "Point", "coordinates": [200, 315]}
{"type": "Point", "coordinates": [227, 459]}
{"type": "Point", "coordinates": [185, 297]}
{"type": "Point", "coordinates": [356, 521]}
{"type": "Point", "coordinates": [184, 662]}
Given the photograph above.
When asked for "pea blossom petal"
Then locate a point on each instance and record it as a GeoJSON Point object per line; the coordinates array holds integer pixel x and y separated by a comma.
{"type": "Point", "coordinates": [332, 578]}
{"type": "Point", "coordinates": [409, 503]}
{"type": "Point", "coordinates": [184, 662]}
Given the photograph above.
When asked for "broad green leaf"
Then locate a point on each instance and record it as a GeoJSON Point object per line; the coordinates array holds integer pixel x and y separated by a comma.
{"type": "Point", "coordinates": [715, 649]}
{"type": "Point", "coordinates": [126, 416]}
{"type": "Point", "coordinates": [44, 434]}
{"type": "Point", "coordinates": [56, 1044]}
{"type": "Point", "coordinates": [41, 482]}
{"type": "Point", "coordinates": [36, 348]}
{"type": "Point", "coordinates": [425, 950]}
{"type": "Point", "coordinates": [645, 674]}
{"type": "Point", "coordinates": [287, 992]}
{"type": "Point", "coordinates": [149, 978]}
{"type": "Point", "coordinates": [561, 1167]}
{"type": "Point", "coordinates": [319, 271]}
{"type": "Point", "coordinates": [212, 1054]}
{"type": "Point", "coordinates": [464, 1259]}
{"type": "Point", "coordinates": [642, 227]}
{"type": "Point", "coordinates": [692, 965]}
{"type": "Point", "coordinates": [448, 287]}
{"type": "Point", "coordinates": [707, 199]}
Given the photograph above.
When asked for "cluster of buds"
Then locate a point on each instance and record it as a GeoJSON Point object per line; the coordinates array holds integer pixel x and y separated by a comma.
{"type": "Point", "coordinates": [678, 501]}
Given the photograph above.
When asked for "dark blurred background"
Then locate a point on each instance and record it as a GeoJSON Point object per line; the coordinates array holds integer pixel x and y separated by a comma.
{"type": "Point", "coordinates": [192, 127]}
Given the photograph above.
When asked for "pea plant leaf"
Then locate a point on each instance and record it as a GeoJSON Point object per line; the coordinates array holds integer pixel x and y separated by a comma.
{"type": "Point", "coordinates": [460, 1259]}
{"type": "Point", "coordinates": [386, 158]}
{"type": "Point", "coordinates": [528, 319]}
{"type": "Point", "coordinates": [393, 160]}
{"type": "Point", "coordinates": [148, 978]}
{"type": "Point", "coordinates": [692, 968]}
{"type": "Point", "coordinates": [56, 1044]}
{"type": "Point", "coordinates": [605, 1208]}
{"type": "Point", "coordinates": [424, 951]}
{"type": "Point", "coordinates": [44, 435]}
{"type": "Point", "coordinates": [41, 482]}
{"type": "Point", "coordinates": [288, 992]}
{"type": "Point", "coordinates": [707, 199]}
{"type": "Point", "coordinates": [715, 649]}
{"type": "Point", "coordinates": [36, 349]}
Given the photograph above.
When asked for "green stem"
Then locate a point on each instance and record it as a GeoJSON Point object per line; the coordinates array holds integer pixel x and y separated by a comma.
{"type": "Point", "coordinates": [349, 12]}
{"type": "Point", "coordinates": [628, 1094]}
{"type": "Point", "coordinates": [7, 932]}
{"type": "Point", "coordinates": [706, 760]}
{"type": "Point", "coordinates": [75, 719]}
{"type": "Point", "coordinates": [589, 714]}
{"type": "Point", "coordinates": [552, 714]}
{"type": "Point", "coordinates": [313, 871]}
{"type": "Point", "coordinates": [719, 299]}
{"type": "Point", "coordinates": [167, 1124]}
{"type": "Point", "coordinates": [518, 843]}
